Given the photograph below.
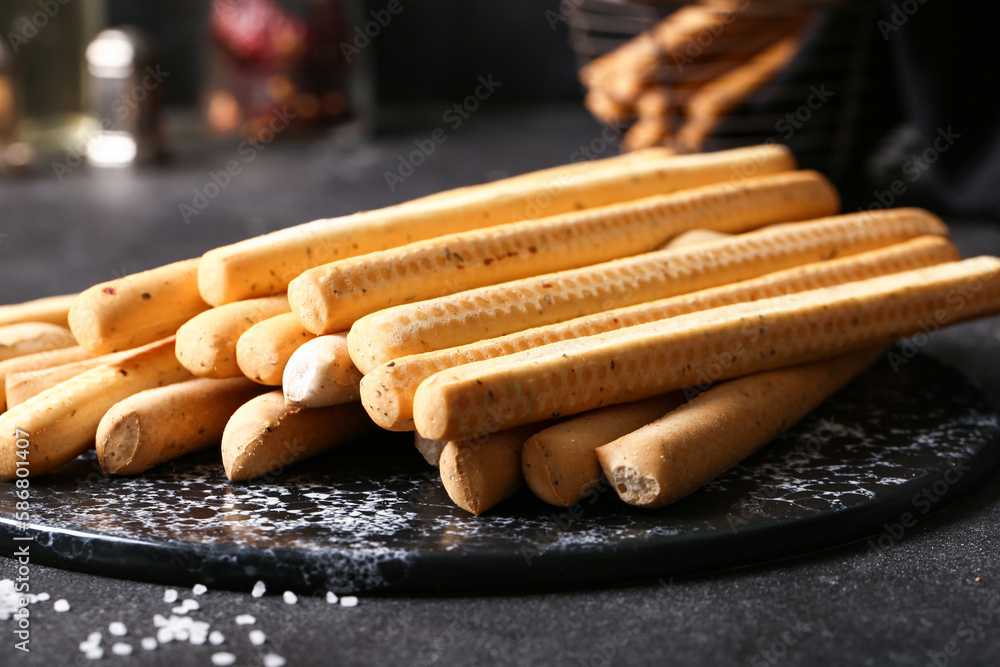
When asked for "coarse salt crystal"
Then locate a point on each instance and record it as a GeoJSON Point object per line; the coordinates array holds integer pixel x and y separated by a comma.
{"type": "Point", "coordinates": [273, 660]}
{"type": "Point", "coordinates": [165, 635]}
{"type": "Point", "coordinates": [118, 629]}
{"type": "Point", "coordinates": [94, 653]}
{"type": "Point", "coordinates": [257, 637]}
{"type": "Point", "coordinates": [223, 658]}
{"type": "Point", "coordinates": [245, 619]}
{"type": "Point", "coordinates": [331, 597]}
{"type": "Point", "coordinates": [258, 589]}
{"type": "Point", "coordinates": [289, 597]}
{"type": "Point", "coordinates": [42, 597]}
{"type": "Point", "coordinates": [179, 610]}
{"type": "Point", "coordinates": [121, 648]}
{"type": "Point", "coordinates": [199, 589]}
{"type": "Point", "coordinates": [215, 638]}
{"type": "Point", "coordinates": [60, 605]}
{"type": "Point", "coordinates": [159, 620]}
{"type": "Point", "coordinates": [349, 601]}
{"type": "Point", "coordinates": [170, 596]}
{"type": "Point", "coordinates": [190, 605]}
{"type": "Point", "coordinates": [149, 643]}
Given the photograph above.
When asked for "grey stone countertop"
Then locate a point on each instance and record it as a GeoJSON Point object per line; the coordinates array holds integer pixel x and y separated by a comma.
{"type": "Point", "coordinates": [930, 597]}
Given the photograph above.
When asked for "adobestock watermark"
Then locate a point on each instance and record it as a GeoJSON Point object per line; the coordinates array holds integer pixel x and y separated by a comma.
{"type": "Point", "coordinates": [363, 35]}
{"type": "Point", "coordinates": [28, 26]}
{"type": "Point", "coordinates": [248, 150]}
{"type": "Point", "coordinates": [900, 14]}
{"type": "Point", "coordinates": [455, 117]}
{"type": "Point", "coordinates": [123, 106]}
{"type": "Point", "coordinates": [967, 632]}
{"type": "Point", "coordinates": [22, 551]}
{"type": "Point", "coordinates": [695, 47]}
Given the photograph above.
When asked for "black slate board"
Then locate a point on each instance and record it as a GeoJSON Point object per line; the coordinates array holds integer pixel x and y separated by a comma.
{"type": "Point", "coordinates": [898, 443]}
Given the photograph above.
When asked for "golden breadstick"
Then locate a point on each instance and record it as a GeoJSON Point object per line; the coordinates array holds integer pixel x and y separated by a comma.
{"type": "Point", "coordinates": [645, 132]}
{"type": "Point", "coordinates": [666, 460]}
{"type": "Point", "coordinates": [655, 102]}
{"type": "Point", "coordinates": [321, 373]}
{"type": "Point", "coordinates": [605, 108]}
{"type": "Point", "coordinates": [387, 391]}
{"type": "Point", "coordinates": [266, 264]}
{"type": "Point", "coordinates": [265, 435]}
{"type": "Point", "coordinates": [51, 309]}
{"type": "Point", "coordinates": [559, 463]}
{"type": "Point", "coordinates": [694, 237]}
{"type": "Point", "coordinates": [35, 362]}
{"type": "Point", "coordinates": [429, 449]}
{"type": "Point", "coordinates": [137, 309]}
{"type": "Point", "coordinates": [264, 349]}
{"type": "Point", "coordinates": [18, 340]}
{"type": "Point", "coordinates": [206, 344]}
{"type": "Point", "coordinates": [61, 422]}
{"type": "Point", "coordinates": [332, 297]}
{"type": "Point", "coordinates": [480, 472]}
{"type": "Point", "coordinates": [572, 376]}
{"type": "Point", "coordinates": [488, 312]}
{"type": "Point", "coordinates": [22, 385]}
{"type": "Point", "coordinates": [160, 424]}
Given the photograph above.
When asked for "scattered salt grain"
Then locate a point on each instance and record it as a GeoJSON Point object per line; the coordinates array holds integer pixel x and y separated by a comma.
{"type": "Point", "coordinates": [159, 620]}
{"type": "Point", "coordinates": [245, 619]}
{"type": "Point", "coordinates": [94, 653]}
{"type": "Point", "coordinates": [258, 589]}
{"type": "Point", "coordinates": [331, 597]}
{"type": "Point", "coordinates": [149, 643]}
{"type": "Point", "coordinates": [42, 597]}
{"type": "Point", "coordinates": [190, 605]}
{"type": "Point", "coordinates": [216, 638]}
{"type": "Point", "coordinates": [257, 637]}
{"type": "Point", "coordinates": [273, 660]}
{"type": "Point", "coordinates": [118, 629]}
{"type": "Point", "coordinates": [289, 597]}
{"type": "Point", "coordinates": [60, 605]}
{"type": "Point", "coordinates": [179, 610]}
{"type": "Point", "coordinates": [121, 648]}
{"type": "Point", "coordinates": [199, 589]}
{"type": "Point", "coordinates": [223, 658]}
{"type": "Point", "coordinates": [349, 601]}
{"type": "Point", "coordinates": [170, 596]}
{"type": "Point", "coordinates": [92, 642]}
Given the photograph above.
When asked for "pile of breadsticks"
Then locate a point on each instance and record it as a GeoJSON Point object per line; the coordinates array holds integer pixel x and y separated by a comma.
{"type": "Point", "coordinates": [649, 318]}
{"type": "Point", "coordinates": [675, 83]}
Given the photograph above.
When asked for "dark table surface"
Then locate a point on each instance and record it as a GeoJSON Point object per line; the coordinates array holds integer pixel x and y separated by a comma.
{"type": "Point", "coordinates": [932, 597]}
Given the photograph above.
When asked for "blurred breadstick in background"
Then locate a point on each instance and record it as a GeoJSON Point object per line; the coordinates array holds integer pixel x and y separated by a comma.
{"type": "Point", "coordinates": [50, 309]}
{"type": "Point", "coordinates": [264, 265]}
{"type": "Point", "coordinates": [206, 344]}
{"type": "Point", "coordinates": [264, 349]}
{"type": "Point", "coordinates": [629, 364]}
{"type": "Point", "coordinates": [490, 312]}
{"type": "Point", "coordinates": [137, 309]}
{"type": "Point", "coordinates": [666, 460]}
{"type": "Point", "coordinates": [18, 340]}
{"type": "Point", "coordinates": [429, 449]}
{"type": "Point", "coordinates": [321, 373]}
{"type": "Point", "coordinates": [160, 424]}
{"type": "Point", "coordinates": [480, 472]}
{"type": "Point", "coordinates": [332, 297]}
{"type": "Point", "coordinates": [559, 463]}
{"type": "Point", "coordinates": [387, 391]}
{"type": "Point", "coordinates": [265, 435]}
{"type": "Point", "coordinates": [61, 422]}
{"type": "Point", "coordinates": [38, 361]}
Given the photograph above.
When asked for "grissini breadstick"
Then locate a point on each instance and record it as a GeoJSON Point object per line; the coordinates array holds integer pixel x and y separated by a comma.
{"type": "Point", "coordinates": [429, 449]}
{"type": "Point", "coordinates": [480, 472]}
{"type": "Point", "coordinates": [694, 237]}
{"type": "Point", "coordinates": [559, 463]}
{"type": "Point", "coordinates": [266, 264]}
{"type": "Point", "coordinates": [321, 373]}
{"type": "Point", "coordinates": [387, 391]}
{"type": "Point", "coordinates": [22, 385]}
{"type": "Point", "coordinates": [264, 349]}
{"type": "Point", "coordinates": [331, 297]}
{"type": "Point", "coordinates": [669, 458]}
{"type": "Point", "coordinates": [17, 340]}
{"type": "Point", "coordinates": [497, 310]}
{"type": "Point", "coordinates": [140, 308]}
{"type": "Point", "coordinates": [38, 361]}
{"type": "Point", "coordinates": [265, 435]}
{"type": "Point", "coordinates": [160, 424]}
{"type": "Point", "coordinates": [206, 344]}
{"type": "Point", "coordinates": [572, 376]}
{"type": "Point", "coordinates": [61, 422]}
{"type": "Point", "coordinates": [51, 309]}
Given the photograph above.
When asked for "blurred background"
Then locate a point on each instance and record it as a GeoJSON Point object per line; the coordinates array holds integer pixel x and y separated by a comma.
{"type": "Point", "coordinates": [888, 98]}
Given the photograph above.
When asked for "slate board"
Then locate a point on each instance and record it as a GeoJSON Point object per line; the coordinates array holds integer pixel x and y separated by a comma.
{"type": "Point", "coordinates": [372, 515]}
